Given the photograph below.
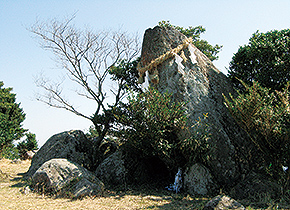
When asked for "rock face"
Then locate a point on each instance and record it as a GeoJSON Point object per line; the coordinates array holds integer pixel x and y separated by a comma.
{"type": "Point", "coordinates": [223, 202]}
{"type": "Point", "coordinates": [199, 181]}
{"type": "Point", "coordinates": [254, 185]}
{"type": "Point", "coordinates": [64, 177]}
{"type": "Point", "coordinates": [112, 169]}
{"type": "Point", "coordinates": [71, 145]}
{"type": "Point", "coordinates": [191, 77]}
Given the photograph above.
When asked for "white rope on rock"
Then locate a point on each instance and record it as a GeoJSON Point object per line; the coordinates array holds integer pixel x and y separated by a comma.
{"type": "Point", "coordinates": [153, 75]}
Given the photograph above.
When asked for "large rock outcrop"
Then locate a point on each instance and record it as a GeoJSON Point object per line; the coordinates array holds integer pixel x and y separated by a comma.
{"type": "Point", "coordinates": [112, 170]}
{"type": "Point", "coordinates": [71, 145]}
{"type": "Point", "coordinates": [63, 177]}
{"type": "Point", "coordinates": [180, 68]}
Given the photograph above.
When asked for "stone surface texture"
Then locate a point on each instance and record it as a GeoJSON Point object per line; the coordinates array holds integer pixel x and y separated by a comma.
{"type": "Point", "coordinates": [65, 177]}
{"type": "Point", "coordinates": [253, 185]}
{"type": "Point", "coordinates": [199, 181]}
{"type": "Point", "coordinates": [197, 81]}
{"type": "Point", "coordinates": [222, 202]}
{"type": "Point", "coordinates": [112, 169]}
{"type": "Point", "coordinates": [71, 145]}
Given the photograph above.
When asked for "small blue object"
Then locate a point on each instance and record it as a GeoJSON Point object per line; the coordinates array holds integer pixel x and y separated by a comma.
{"type": "Point", "coordinates": [177, 183]}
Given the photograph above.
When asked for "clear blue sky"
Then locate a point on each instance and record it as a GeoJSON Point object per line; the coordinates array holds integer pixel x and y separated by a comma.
{"type": "Point", "coordinates": [228, 22]}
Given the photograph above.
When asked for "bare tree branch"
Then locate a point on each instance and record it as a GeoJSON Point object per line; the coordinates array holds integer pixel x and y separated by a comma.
{"type": "Point", "coordinates": [86, 57]}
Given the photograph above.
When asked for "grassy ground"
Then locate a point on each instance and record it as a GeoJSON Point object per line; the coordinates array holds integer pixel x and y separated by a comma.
{"type": "Point", "coordinates": [12, 184]}
{"type": "Point", "coordinates": [11, 197]}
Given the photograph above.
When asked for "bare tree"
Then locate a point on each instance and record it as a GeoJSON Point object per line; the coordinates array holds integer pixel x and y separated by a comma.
{"type": "Point", "coordinates": [87, 57]}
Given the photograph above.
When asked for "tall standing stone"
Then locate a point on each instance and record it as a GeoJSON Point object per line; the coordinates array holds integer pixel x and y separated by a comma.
{"type": "Point", "coordinates": [191, 77]}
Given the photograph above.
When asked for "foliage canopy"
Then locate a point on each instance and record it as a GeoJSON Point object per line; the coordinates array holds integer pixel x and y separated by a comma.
{"type": "Point", "coordinates": [265, 59]}
{"type": "Point", "coordinates": [11, 119]}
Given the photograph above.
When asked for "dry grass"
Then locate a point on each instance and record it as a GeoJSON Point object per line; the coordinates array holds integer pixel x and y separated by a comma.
{"type": "Point", "coordinates": [12, 198]}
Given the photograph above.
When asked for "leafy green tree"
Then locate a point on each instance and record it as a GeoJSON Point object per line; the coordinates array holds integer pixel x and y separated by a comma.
{"type": "Point", "coordinates": [11, 119]}
{"type": "Point", "coordinates": [194, 32]}
{"type": "Point", "coordinates": [265, 59]}
{"type": "Point", "coordinates": [29, 144]}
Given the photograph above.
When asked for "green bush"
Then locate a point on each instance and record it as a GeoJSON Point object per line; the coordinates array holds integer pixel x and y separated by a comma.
{"type": "Point", "coordinates": [151, 125]}
{"type": "Point", "coordinates": [265, 116]}
{"type": "Point", "coordinates": [195, 147]}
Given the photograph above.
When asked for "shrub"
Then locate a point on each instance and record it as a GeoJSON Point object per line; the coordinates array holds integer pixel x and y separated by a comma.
{"type": "Point", "coordinates": [152, 126]}
{"type": "Point", "coordinates": [149, 123]}
{"type": "Point", "coordinates": [265, 116]}
{"type": "Point", "coordinates": [196, 148]}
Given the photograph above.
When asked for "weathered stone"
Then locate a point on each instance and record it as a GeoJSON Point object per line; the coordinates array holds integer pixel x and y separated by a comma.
{"type": "Point", "coordinates": [85, 187]}
{"type": "Point", "coordinates": [191, 77]}
{"type": "Point", "coordinates": [65, 177]}
{"type": "Point", "coordinates": [223, 202]}
{"type": "Point", "coordinates": [71, 145]}
{"type": "Point", "coordinates": [199, 181]}
{"type": "Point", "coordinates": [254, 186]}
{"type": "Point", "coordinates": [112, 169]}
